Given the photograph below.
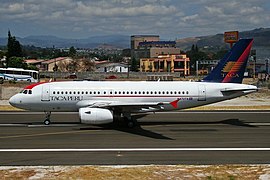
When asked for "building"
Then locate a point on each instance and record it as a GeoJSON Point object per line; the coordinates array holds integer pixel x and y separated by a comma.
{"type": "Point", "coordinates": [136, 39]}
{"type": "Point", "coordinates": [151, 47]}
{"type": "Point", "coordinates": [35, 62]}
{"type": "Point", "coordinates": [166, 63]}
{"type": "Point", "coordinates": [105, 66]}
{"type": "Point", "coordinates": [62, 63]}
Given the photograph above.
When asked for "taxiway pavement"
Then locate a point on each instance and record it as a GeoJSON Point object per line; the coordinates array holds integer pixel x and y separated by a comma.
{"type": "Point", "coordinates": [185, 137]}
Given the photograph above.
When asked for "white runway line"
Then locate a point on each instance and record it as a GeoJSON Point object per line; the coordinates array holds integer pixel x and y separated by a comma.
{"type": "Point", "coordinates": [259, 124]}
{"type": "Point", "coordinates": [171, 112]}
{"type": "Point", "coordinates": [134, 149]}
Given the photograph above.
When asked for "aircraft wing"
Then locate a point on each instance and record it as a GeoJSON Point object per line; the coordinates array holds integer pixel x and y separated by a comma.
{"type": "Point", "coordinates": [137, 106]}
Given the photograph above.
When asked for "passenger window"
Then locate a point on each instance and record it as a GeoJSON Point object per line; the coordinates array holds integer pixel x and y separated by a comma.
{"type": "Point", "coordinates": [86, 92]}
{"type": "Point", "coordinates": [66, 92]}
{"type": "Point", "coordinates": [70, 92]}
{"type": "Point", "coordinates": [58, 92]}
{"type": "Point", "coordinates": [187, 92]}
{"type": "Point", "coordinates": [82, 92]}
{"type": "Point", "coordinates": [183, 92]}
{"type": "Point", "coordinates": [62, 92]}
{"type": "Point", "coordinates": [53, 92]}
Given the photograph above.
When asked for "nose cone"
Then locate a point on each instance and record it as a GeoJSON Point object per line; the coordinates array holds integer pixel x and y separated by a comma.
{"type": "Point", "coordinates": [14, 101]}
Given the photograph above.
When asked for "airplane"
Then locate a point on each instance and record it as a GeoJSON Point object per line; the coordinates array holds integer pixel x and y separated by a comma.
{"type": "Point", "coordinates": [102, 102]}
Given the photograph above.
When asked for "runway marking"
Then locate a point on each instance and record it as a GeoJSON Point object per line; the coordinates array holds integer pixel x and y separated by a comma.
{"type": "Point", "coordinates": [259, 124]}
{"type": "Point", "coordinates": [213, 112]}
{"type": "Point", "coordinates": [45, 134]}
{"type": "Point", "coordinates": [13, 125]}
{"type": "Point", "coordinates": [173, 112]}
{"type": "Point", "coordinates": [134, 149]}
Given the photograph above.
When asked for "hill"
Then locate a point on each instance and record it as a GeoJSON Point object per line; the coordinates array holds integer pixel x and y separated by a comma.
{"type": "Point", "coordinates": [261, 38]}
{"type": "Point", "coordinates": [114, 41]}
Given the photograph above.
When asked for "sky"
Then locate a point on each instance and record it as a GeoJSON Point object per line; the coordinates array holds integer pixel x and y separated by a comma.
{"type": "Point", "coordinates": [171, 19]}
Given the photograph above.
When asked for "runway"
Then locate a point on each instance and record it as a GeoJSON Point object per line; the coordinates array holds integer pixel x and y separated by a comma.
{"type": "Point", "coordinates": [186, 137]}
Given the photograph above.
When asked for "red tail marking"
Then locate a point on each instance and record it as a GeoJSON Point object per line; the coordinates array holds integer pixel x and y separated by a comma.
{"type": "Point", "coordinates": [175, 103]}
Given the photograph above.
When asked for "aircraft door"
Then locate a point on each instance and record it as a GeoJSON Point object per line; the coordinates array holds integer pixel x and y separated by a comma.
{"type": "Point", "coordinates": [201, 93]}
{"type": "Point", "coordinates": [45, 96]}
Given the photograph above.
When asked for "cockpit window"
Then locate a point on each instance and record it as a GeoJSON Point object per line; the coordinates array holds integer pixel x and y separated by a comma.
{"type": "Point", "coordinates": [26, 91]}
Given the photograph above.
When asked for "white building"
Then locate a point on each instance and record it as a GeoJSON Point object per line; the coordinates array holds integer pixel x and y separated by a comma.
{"type": "Point", "coordinates": [111, 67]}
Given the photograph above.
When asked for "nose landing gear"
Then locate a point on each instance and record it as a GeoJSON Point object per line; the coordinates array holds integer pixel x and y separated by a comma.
{"type": "Point", "coordinates": [47, 120]}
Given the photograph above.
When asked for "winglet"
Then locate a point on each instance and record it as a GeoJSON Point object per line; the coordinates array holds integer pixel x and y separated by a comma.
{"type": "Point", "coordinates": [231, 68]}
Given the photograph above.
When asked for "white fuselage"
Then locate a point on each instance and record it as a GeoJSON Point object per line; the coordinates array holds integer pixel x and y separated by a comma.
{"type": "Point", "coordinates": [128, 95]}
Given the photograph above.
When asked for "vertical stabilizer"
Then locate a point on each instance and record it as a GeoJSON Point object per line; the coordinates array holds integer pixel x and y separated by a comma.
{"type": "Point", "coordinates": [231, 68]}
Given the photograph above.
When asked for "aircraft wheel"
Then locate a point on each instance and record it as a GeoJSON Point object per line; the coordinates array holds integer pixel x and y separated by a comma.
{"type": "Point", "coordinates": [130, 124]}
{"type": "Point", "coordinates": [47, 122]}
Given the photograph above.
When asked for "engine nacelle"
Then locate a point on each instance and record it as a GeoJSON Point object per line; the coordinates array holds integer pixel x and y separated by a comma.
{"type": "Point", "coordinates": [95, 115]}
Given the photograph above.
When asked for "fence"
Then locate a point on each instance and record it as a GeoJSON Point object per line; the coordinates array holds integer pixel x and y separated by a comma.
{"type": "Point", "coordinates": [103, 75]}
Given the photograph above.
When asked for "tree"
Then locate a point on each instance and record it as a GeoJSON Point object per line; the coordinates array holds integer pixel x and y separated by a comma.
{"type": "Point", "coordinates": [17, 62]}
{"type": "Point", "coordinates": [195, 55]}
{"type": "Point", "coordinates": [134, 65]}
{"type": "Point", "coordinates": [13, 47]}
{"type": "Point", "coordinates": [72, 52]}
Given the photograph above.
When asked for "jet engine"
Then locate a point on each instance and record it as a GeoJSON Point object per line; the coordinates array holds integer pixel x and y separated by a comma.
{"type": "Point", "coordinates": [95, 115]}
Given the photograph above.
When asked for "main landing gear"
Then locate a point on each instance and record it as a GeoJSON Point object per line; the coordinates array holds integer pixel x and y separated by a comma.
{"type": "Point", "coordinates": [47, 120]}
{"type": "Point", "coordinates": [125, 118]}
{"type": "Point", "coordinates": [130, 122]}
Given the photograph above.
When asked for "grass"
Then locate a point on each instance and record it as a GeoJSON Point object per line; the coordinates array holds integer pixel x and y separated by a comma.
{"type": "Point", "coordinates": [211, 172]}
